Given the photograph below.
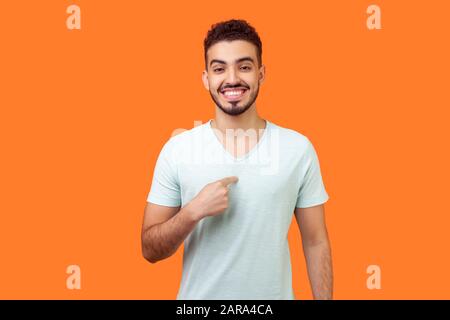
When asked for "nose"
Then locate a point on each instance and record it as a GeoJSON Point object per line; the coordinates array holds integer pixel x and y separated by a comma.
{"type": "Point", "coordinates": [232, 77]}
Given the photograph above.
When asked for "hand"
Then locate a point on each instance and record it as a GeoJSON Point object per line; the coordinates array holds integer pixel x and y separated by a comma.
{"type": "Point", "coordinates": [212, 200]}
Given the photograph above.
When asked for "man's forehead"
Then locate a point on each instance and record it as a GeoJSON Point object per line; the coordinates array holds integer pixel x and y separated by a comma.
{"type": "Point", "coordinates": [231, 51]}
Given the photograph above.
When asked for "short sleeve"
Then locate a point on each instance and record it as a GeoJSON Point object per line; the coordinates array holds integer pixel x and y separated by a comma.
{"type": "Point", "coordinates": [165, 188]}
{"type": "Point", "coordinates": [312, 190]}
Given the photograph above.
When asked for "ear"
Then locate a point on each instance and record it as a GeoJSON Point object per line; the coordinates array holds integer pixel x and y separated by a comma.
{"type": "Point", "coordinates": [205, 79]}
{"type": "Point", "coordinates": [262, 74]}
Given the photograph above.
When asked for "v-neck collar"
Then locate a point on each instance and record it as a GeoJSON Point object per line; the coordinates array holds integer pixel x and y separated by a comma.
{"type": "Point", "coordinates": [250, 152]}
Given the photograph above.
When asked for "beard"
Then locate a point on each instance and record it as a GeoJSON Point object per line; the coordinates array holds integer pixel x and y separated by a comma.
{"type": "Point", "coordinates": [235, 109]}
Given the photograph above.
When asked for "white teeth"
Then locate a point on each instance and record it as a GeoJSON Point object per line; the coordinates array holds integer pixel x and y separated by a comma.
{"type": "Point", "coordinates": [233, 93]}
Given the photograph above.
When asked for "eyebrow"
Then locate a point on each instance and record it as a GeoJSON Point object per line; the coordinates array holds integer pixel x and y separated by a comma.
{"type": "Point", "coordinates": [237, 61]}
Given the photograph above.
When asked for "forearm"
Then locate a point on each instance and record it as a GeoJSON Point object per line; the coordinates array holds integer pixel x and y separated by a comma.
{"type": "Point", "coordinates": [320, 269]}
{"type": "Point", "coordinates": [162, 240]}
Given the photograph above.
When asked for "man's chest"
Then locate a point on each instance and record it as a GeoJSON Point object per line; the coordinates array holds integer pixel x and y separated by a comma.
{"type": "Point", "coordinates": [257, 182]}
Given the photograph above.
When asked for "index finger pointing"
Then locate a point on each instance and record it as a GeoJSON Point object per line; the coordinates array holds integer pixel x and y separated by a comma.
{"type": "Point", "coordinates": [228, 180]}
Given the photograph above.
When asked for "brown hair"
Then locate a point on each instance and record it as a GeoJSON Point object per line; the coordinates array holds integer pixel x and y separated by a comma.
{"type": "Point", "coordinates": [233, 30]}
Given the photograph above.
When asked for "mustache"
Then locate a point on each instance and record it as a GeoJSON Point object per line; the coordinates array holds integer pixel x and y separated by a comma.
{"type": "Point", "coordinates": [236, 86]}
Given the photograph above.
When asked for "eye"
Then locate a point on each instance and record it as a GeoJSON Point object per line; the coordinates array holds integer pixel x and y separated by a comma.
{"type": "Point", "coordinates": [217, 69]}
{"type": "Point", "coordinates": [246, 68]}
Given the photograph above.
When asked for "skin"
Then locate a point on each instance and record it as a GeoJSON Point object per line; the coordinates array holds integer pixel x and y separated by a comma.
{"type": "Point", "coordinates": [232, 64]}
{"type": "Point", "coordinates": [317, 250]}
{"type": "Point", "coordinates": [223, 70]}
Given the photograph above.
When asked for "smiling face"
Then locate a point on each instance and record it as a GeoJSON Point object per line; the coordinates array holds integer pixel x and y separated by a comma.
{"type": "Point", "coordinates": [233, 75]}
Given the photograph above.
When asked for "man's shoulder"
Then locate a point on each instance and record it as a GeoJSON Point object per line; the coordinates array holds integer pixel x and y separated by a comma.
{"type": "Point", "coordinates": [182, 137]}
{"type": "Point", "coordinates": [291, 138]}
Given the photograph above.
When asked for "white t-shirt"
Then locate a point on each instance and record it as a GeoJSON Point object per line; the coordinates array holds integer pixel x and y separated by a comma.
{"type": "Point", "coordinates": [242, 253]}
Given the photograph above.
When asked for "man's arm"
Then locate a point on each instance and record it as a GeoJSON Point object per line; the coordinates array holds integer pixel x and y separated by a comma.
{"type": "Point", "coordinates": [165, 228]}
{"type": "Point", "coordinates": [316, 247]}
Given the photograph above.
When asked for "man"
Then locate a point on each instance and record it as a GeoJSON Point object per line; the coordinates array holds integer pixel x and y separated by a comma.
{"type": "Point", "coordinates": [233, 206]}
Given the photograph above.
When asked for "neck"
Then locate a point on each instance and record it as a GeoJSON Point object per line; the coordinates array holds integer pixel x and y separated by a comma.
{"type": "Point", "coordinates": [247, 120]}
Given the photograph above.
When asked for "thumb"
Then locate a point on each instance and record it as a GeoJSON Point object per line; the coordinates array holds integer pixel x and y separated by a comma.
{"type": "Point", "coordinates": [228, 180]}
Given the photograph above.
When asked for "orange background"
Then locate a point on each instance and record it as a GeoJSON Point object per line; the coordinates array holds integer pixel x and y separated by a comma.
{"type": "Point", "coordinates": [84, 114]}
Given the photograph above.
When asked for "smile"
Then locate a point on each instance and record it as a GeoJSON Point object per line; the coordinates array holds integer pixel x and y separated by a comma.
{"type": "Point", "coordinates": [233, 94]}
